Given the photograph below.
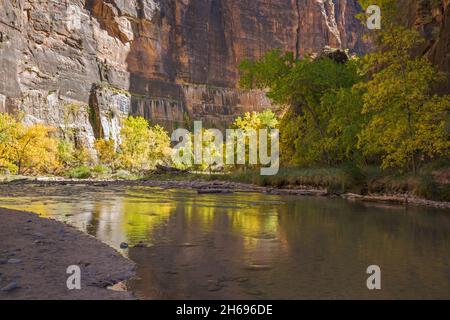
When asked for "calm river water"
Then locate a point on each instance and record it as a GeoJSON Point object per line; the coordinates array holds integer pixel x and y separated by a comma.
{"type": "Point", "coordinates": [255, 246]}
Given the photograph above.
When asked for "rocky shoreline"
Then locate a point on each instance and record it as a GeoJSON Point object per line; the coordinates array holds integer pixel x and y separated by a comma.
{"type": "Point", "coordinates": [226, 187]}
{"type": "Point", "coordinates": [37, 252]}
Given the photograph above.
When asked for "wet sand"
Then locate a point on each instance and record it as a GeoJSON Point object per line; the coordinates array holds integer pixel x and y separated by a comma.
{"type": "Point", "coordinates": [35, 254]}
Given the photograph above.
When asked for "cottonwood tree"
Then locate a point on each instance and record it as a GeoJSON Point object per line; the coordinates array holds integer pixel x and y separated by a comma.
{"type": "Point", "coordinates": [407, 123]}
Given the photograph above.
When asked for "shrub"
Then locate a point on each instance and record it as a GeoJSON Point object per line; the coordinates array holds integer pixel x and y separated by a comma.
{"type": "Point", "coordinates": [124, 175]}
{"type": "Point", "coordinates": [143, 147]}
{"type": "Point", "coordinates": [106, 152]}
{"type": "Point", "coordinates": [99, 169]}
{"type": "Point", "coordinates": [65, 153]}
{"type": "Point", "coordinates": [80, 172]}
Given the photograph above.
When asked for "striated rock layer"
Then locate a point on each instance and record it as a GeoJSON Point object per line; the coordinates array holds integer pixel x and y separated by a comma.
{"type": "Point", "coordinates": [81, 65]}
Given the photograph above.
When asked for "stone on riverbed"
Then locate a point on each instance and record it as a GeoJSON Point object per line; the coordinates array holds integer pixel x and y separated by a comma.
{"type": "Point", "coordinates": [41, 273]}
{"type": "Point", "coordinates": [140, 245]}
{"type": "Point", "coordinates": [14, 261]}
{"type": "Point", "coordinates": [10, 287]}
{"type": "Point", "coordinates": [258, 267]}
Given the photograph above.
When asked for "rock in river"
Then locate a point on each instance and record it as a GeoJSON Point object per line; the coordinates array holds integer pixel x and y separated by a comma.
{"type": "Point", "coordinates": [14, 261]}
{"type": "Point", "coordinates": [10, 287]}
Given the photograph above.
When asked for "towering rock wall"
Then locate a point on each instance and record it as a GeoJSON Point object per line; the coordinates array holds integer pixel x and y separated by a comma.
{"type": "Point", "coordinates": [432, 19]}
{"type": "Point", "coordinates": [81, 65]}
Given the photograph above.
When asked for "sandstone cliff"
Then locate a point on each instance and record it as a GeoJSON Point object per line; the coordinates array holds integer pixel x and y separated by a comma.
{"type": "Point", "coordinates": [81, 65]}
{"type": "Point", "coordinates": [432, 19]}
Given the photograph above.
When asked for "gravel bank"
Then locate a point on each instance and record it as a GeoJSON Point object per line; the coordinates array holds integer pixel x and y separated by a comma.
{"type": "Point", "coordinates": [35, 254]}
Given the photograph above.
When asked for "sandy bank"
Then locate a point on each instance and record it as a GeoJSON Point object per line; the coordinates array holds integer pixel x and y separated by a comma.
{"type": "Point", "coordinates": [35, 254]}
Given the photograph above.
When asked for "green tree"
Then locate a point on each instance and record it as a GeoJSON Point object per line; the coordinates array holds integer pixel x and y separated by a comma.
{"type": "Point", "coordinates": [304, 89]}
{"type": "Point", "coordinates": [65, 153]}
{"type": "Point", "coordinates": [256, 121]}
{"type": "Point", "coordinates": [407, 123]}
{"type": "Point", "coordinates": [211, 150]}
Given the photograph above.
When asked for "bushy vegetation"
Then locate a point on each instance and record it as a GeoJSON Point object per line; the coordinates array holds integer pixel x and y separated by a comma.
{"type": "Point", "coordinates": [379, 110]}
{"type": "Point", "coordinates": [216, 153]}
{"type": "Point", "coordinates": [38, 149]}
{"type": "Point", "coordinates": [361, 124]}
{"type": "Point", "coordinates": [254, 122]}
{"type": "Point", "coordinates": [26, 149]}
{"type": "Point", "coordinates": [143, 147]}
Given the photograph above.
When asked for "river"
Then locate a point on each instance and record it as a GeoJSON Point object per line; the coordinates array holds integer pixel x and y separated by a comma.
{"type": "Point", "coordinates": [256, 246]}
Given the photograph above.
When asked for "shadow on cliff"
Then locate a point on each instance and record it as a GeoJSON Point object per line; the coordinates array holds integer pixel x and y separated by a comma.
{"type": "Point", "coordinates": [155, 95]}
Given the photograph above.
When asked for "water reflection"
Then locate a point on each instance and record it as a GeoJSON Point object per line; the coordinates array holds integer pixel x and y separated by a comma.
{"type": "Point", "coordinates": [257, 246]}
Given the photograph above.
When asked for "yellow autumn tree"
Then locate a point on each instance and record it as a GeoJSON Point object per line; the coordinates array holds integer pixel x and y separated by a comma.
{"type": "Point", "coordinates": [143, 147]}
{"type": "Point", "coordinates": [27, 149]}
{"type": "Point", "coordinates": [106, 152]}
{"type": "Point", "coordinates": [160, 151]}
{"type": "Point", "coordinates": [8, 131]}
{"type": "Point", "coordinates": [407, 125]}
{"type": "Point", "coordinates": [253, 122]}
{"type": "Point", "coordinates": [135, 144]}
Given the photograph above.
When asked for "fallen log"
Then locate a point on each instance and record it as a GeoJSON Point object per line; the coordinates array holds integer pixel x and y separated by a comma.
{"type": "Point", "coordinates": [215, 191]}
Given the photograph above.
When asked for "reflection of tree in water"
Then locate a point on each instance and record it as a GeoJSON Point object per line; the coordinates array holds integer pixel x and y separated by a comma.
{"type": "Point", "coordinates": [247, 245]}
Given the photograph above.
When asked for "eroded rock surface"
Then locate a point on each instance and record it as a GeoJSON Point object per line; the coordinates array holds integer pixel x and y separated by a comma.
{"type": "Point", "coordinates": [83, 64]}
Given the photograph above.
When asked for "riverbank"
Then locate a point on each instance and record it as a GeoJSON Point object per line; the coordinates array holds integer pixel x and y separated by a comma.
{"type": "Point", "coordinates": [35, 254]}
{"type": "Point", "coordinates": [222, 185]}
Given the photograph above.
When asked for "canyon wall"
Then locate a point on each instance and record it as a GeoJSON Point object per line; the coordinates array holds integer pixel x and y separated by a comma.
{"type": "Point", "coordinates": [82, 65]}
{"type": "Point", "coordinates": [432, 19]}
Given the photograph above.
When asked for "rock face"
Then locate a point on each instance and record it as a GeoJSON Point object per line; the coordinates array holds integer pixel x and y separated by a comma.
{"type": "Point", "coordinates": [432, 19]}
{"type": "Point", "coordinates": [84, 64]}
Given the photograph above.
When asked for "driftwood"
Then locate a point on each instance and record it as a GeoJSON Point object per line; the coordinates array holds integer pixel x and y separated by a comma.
{"type": "Point", "coordinates": [298, 192]}
{"type": "Point", "coordinates": [214, 191]}
{"type": "Point", "coordinates": [402, 199]}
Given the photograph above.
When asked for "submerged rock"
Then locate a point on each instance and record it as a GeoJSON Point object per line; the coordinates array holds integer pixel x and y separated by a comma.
{"type": "Point", "coordinates": [14, 261]}
{"type": "Point", "coordinates": [141, 245]}
{"type": "Point", "coordinates": [10, 287]}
